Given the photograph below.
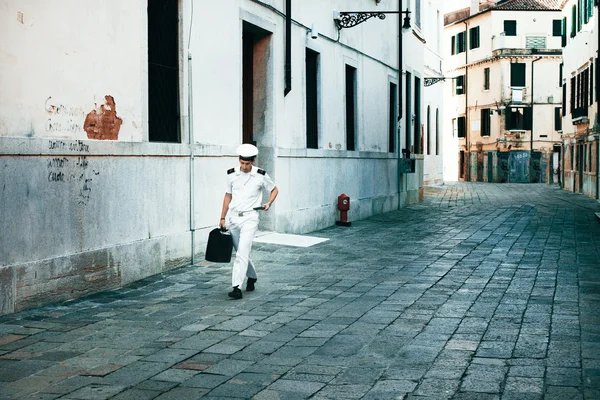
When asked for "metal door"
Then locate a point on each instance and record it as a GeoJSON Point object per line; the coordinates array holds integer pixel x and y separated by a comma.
{"type": "Point", "coordinates": [519, 167]}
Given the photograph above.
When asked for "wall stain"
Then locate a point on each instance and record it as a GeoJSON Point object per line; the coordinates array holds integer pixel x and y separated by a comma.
{"type": "Point", "coordinates": [103, 124]}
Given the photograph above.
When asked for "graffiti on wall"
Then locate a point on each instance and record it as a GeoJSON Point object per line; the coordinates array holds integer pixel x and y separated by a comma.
{"type": "Point", "coordinates": [63, 118]}
{"type": "Point", "coordinates": [71, 169]}
{"type": "Point", "coordinates": [103, 124]}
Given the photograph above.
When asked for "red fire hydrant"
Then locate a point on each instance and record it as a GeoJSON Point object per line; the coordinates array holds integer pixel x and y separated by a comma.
{"type": "Point", "coordinates": [343, 206]}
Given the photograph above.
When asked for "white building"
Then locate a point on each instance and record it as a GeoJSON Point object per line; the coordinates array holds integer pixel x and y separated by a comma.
{"type": "Point", "coordinates": [580, 115]}
{"type": "Point", "coordinates": [503, 62]}
{"type": "Point", "coordinates": [118, 123]}
{"type": "Point", "coordinates": [433, 110]}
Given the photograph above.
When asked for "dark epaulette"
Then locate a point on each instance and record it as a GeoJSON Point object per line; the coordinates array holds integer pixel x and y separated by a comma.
{"type": "Point", "coordinates": [230, 171]}
{"type": "Point", "coordinates": [261, 171]}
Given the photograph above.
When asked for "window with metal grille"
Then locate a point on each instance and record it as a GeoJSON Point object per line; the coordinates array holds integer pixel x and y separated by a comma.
{"type": "Point", "coordinates": [312, 99]}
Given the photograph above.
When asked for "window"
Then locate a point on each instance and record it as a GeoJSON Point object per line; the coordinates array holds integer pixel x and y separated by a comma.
{"type": "Point", "coordinates": [437, 132]}
{"type": "Point", "coordinates": [591, 78]}
{"type": "Point", "coordinates": [557, 27]}
{"type": "Point", "coordinates": [459, 85]}
{"type": "Point", "coordinates": [417, 125]}
{"type": "Point", "coordinates": [486, 122]}
{"type": "Point", "coordinates": [163, 71]}
{"type": "Point", "coordinates": [461, 125]}
{"type": "Point", "coordinates": [486, 79]}
{"type": "Point", "coordinates": [510, 28]}
{"type": "Point", "coordinates": [560, 74]}
{"type": "Point", "coordinates": [350, 108]}
{"type": "Point", "coordinates": [518, 118]}
{"type": "Point", "coordinates": [573, 21]}
{"type": "Point", "coordinates": [517, 74]}
{"type": "Point", "coordinates": [408, 96]}
{"type": "Point", "coordinates": [473, 38]}
{"type": "Point", "coordinates": [393, 103]}
{"type": "Point", "coordinates": [418, 13]}
{"type": "Point", "coordinates": [312, 100]}
{"type": "Point", "coordinates": [428, 151]}
{"type": "Point", "coordinates": [557, 119]}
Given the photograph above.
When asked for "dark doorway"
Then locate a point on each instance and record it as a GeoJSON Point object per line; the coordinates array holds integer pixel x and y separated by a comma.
{"type": "Point", "coordinates": [392, 121]}
{"type": "Point", "coordinates": [163, 71]}
{"type": "Point", "coordinates": [255, 78]}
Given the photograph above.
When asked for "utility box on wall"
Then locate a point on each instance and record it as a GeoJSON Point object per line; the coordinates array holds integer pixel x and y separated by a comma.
{"type": "Point", "coordinates": [406, 165]}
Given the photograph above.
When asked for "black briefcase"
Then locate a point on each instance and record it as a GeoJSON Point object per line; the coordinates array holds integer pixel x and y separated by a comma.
{"type": "Point", "coordinates": [219, 246]}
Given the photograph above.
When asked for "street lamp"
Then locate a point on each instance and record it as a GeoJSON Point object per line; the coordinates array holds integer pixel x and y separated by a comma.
{"type": "Point", "coordinates": [349, 19]}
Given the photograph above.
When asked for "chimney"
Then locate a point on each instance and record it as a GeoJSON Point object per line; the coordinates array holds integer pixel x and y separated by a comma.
{"type": "Point", "coordinates": [474, 7]}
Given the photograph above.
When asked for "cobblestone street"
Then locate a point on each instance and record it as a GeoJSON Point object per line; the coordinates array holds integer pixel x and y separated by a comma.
{"type": "Point", "coordinates": [482, 291]}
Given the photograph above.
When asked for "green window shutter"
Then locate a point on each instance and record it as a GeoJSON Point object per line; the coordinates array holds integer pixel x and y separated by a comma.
{"type": "Point", "coordinates": [528, 118]}
{"type": "Point", "coordinates": [508, 118]}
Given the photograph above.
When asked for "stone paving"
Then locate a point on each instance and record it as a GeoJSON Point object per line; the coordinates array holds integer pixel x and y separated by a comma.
{"type": "Point", "coordinates": [483, 291]}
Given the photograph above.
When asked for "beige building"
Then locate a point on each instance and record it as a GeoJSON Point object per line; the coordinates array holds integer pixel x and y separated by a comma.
{"type": "Point", "coordinates": [580, 115]}
{"type": "Point", "coordinates": [503, 92]}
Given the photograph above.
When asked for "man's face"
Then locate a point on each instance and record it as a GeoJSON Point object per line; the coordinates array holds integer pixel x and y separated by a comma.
{"type": "Point", "coordinates": [246, 166]}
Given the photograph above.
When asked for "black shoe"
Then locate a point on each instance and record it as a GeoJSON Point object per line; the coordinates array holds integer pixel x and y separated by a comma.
{"type": "Point", "coordinates": [236, 293]}
{"type": "Point", "coordinates": [250, 284]}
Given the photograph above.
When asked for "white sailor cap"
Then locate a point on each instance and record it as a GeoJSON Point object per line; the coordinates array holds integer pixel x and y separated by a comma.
{"type": "Point", "coordinates": [247, 150]}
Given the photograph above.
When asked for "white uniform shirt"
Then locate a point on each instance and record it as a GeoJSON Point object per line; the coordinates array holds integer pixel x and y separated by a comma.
{"type": "Point", "coordinates": [246, 188]}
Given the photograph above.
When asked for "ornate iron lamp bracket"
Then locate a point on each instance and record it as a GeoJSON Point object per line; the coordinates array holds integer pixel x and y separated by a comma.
{"type": "Point", "coordinates": [433, 81]}
{"type": "Point", "coordinates": [351, 19]}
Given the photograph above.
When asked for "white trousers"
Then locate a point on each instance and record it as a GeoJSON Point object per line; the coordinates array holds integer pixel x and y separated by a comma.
{"type": "Point", "coordinates": [242, 231]}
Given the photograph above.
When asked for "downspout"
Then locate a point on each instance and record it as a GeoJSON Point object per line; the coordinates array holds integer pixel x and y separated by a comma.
{"type": "Point", "coordinates": [531, 134]}
{"type": "Point", "coordinates": [191, 141]}
{"type": "Point", "coordinates": [400, 78]}
{"type": "Point", "coordinates": [288, 47]}
{"type": "Point", "coordinates": [467, 129]}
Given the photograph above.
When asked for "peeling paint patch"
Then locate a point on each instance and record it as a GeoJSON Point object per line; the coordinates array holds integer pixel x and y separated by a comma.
{"type": "Point", "coordinates": [103, 124]}
{"type": "Point", "coordinates": [20, 17]}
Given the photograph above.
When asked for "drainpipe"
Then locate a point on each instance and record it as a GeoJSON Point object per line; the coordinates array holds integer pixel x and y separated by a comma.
{"type": "Point", "coordinates": [288, 47]}
{"type": "Point", "coordinates": [467, 129]}
{"type": "Point", "coordinates": [531, 134]}
{"type": "Point", "coordinates": [400, 79]}
{"type": "Point", "coordinates": [192, 154]}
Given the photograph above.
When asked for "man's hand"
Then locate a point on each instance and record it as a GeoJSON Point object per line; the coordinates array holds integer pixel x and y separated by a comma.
{"type": "Point", "coordinates": [266, 206]}
{"type": "Point", "coordinates": [222, 223]}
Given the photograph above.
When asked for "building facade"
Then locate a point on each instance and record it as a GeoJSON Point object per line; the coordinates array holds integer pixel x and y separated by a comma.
{"type": "Point", "coordinates": [504, 64]}
{"type": "Point", "coordinates": [118, 123]}
{"type": "Point", "coordinates": [580, 116]}
{"type": "Point", "coordinates": [433, 145]}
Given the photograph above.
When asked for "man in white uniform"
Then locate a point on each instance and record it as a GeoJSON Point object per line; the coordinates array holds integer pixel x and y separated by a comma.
{"type": "Point", "coordinates": [243, 194]}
